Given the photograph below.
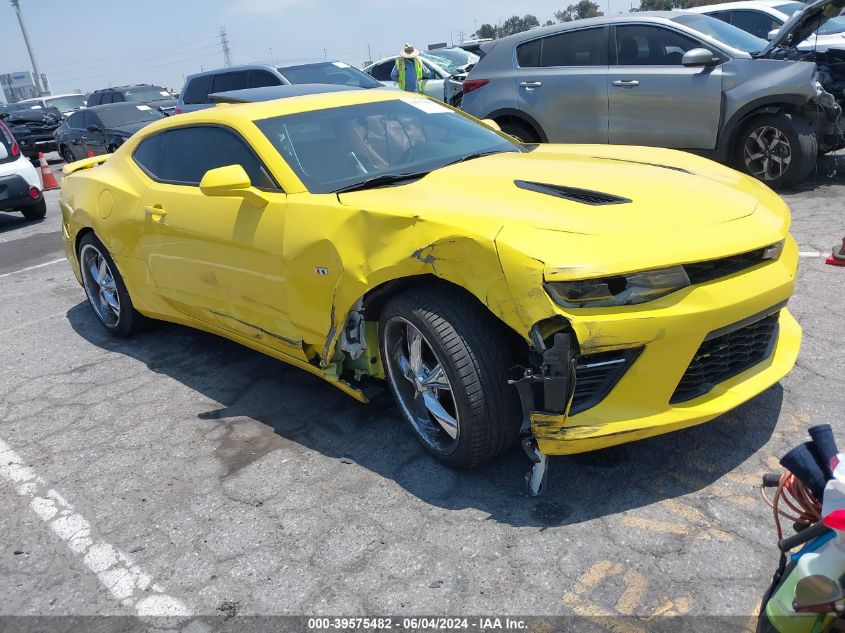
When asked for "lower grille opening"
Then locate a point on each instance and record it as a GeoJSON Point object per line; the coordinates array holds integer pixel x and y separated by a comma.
{"type": "Point", "coordinates": [726, 355]}
{"type": "Point", "coordinates": [597, 374]}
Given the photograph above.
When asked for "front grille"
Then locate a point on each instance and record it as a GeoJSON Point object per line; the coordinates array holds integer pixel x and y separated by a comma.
{"type": "Point", "coordinates": [701, 272]}
{"type": "Point", "coordinates": [724, 355]}
{"type": "Point", "coordinates": [596, 375]}
{"type": "Point", "coordinates": [584, 196]}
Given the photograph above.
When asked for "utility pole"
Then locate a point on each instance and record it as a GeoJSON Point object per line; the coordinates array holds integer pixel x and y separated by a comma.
{"type": "Point", "coordinates": [28, 48]}
{"type": "Point", "coordinates": [224, 42]}
{"type": "Point", "coordinates": [369, 53]}
{"type": "Point", "coordinates": [325, 53]}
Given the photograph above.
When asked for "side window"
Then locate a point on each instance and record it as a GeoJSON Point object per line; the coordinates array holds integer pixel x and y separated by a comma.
{"type": "Point", "coordinates": [381, 72]}
{"type": "Point", "coordinates": [197, 89]}
{"type": "Point", "coordinates": [117, 97]}
{"type": "Point", "coordinates": [87, 119]}
{"type": "Point", "coordinates": [75, 121]}
{"type": "Point", "coordinates": [183, 155]}
{"type": "Point", "coordinates": [95, 99]}
{"type": "Point", "coordinates": [229, 81]}
{"type": "Point", "coordinates": [528, 54]}
{"type": "Point", "coordinates": [586, 47]}
{"type": "Point", "coordinates": [724, 16]}
{"type": "Point", "coordinates": [755, 22]}
{"type": "Point", "coordinates": [261, 78]}
{"type": "Point", "coordinates": [651, 46]}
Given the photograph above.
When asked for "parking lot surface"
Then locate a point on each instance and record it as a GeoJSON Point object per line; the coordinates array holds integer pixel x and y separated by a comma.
{"type": "Point", "coordinates": [176, 472]}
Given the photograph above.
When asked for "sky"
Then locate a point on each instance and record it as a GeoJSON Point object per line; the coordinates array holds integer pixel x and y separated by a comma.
{"type": "Point", "coordinates": [89, 44]}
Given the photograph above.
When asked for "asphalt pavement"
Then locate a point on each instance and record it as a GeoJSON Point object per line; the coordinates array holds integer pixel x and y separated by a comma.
{"type": "Point", "coordinates": [176, 472]}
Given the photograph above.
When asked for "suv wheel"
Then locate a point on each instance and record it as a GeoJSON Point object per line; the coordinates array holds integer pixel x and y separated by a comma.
{"type": "Point", "coordinates": [519, 130]}
{"type": "Point", "coordinates": [67, 155]}
{"type": "Point", "coordinates": [778, 149]}
{"type": "Point", "coordinates": [447, 362]}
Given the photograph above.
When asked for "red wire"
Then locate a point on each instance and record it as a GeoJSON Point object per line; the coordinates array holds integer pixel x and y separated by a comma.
{"type": "Point", "coordinates": [797, 498]}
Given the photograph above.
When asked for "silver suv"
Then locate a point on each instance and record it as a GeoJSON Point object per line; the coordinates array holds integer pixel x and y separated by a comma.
{"type": "Point", "coordinates": [669, 79]}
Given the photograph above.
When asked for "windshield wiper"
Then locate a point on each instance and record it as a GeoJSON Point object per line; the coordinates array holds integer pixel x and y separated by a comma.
{"type": "Point", "coordinates": [380, 181]}
{"type": "Point", "coordinates": [475, 155]}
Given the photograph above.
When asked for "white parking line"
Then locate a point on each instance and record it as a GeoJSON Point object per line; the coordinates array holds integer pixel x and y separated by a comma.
{"type": "Point", "coordinates": [810, 254]}
{"type": "Point", "coordinates": [126, 581]}
{"type": "Point", "coordinates": [23, 270]}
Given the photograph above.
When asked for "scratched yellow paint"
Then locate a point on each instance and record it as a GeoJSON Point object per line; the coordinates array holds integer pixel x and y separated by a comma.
{"type": "Point", "coordinates": [636, 586]}
{"type": "Point", "coordinates": [280, 271]}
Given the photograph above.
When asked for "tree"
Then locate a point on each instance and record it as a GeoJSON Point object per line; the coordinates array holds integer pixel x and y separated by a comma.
{"type": "Point", "coordinates": [486, 31]}
{"type": "Point", "coordinates": [516, 24]}
{"type": "Point", "coordinates": [549, 23]}
{"type": "Point", "coordinates": [667, 5]}
{"type": "Point", "coordinates": [582, 9]}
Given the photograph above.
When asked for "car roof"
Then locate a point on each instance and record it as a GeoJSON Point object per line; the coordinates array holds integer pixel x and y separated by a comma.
{"type": "Point", "coordinates": [125, 105]}
{"type": "Point", "coordinates": [128, 87]}
{"type": "Point", "coordinates": [233, 69]}
{"type": "Point", "coordinates": [268, 93]}
{"type": "Point", "coordinates": [741, 4]}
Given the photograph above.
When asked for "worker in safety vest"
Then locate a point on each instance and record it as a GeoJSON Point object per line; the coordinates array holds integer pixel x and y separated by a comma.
{"type": "Point", "coordinates": [409, 72]}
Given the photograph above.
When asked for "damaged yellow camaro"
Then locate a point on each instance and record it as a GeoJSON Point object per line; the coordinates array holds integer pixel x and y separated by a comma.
{"type": "Point", "coordinates": [575, 297]}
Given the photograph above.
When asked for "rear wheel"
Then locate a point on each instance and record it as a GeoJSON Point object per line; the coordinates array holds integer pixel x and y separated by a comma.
{"type": "Point", "coordinates": [519, 130]}
{"type": "Point", "coordinates": [104, 287]}
{"type": "Point", "coordinates": [778, 149]}
{"type": "Point", "coordinates": [67, 155]}
{"type": "Point", "coordinates": [36, 211]}
{"type": "Point", "coordinates": [447, 362]}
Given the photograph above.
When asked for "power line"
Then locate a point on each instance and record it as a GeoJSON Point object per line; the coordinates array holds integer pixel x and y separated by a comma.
{"type": "Point", "coordinates": [224, 42]}
{"type": "Point", "coordinates": [175, 56]}
{"type": "Point", "coordinates": [177, 48]}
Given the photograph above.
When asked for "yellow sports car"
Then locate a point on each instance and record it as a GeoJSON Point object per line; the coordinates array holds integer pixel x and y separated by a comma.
{"type": "Point", "coordinates": [574, 297]}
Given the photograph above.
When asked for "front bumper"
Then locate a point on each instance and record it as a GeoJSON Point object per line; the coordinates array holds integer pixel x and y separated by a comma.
{"type": "Point", "coordinates": [14, 193]}
{"type": "Point", "coordinates": [670, 331]}
{"type": "Point", "coordinates": [31, 145]}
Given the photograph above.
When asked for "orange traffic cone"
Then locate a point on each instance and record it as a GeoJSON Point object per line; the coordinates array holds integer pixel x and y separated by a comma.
{"type": "Point", "coordinates": [48, 180]}
{"type": "Point", "coordinates": [837, 256]}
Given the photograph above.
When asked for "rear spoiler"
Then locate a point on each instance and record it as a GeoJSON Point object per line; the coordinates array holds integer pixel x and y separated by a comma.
{"type": "Point", "coordinates": [85, 163]}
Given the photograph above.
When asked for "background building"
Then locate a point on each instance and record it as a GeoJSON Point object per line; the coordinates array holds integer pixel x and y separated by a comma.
{"type": "Point", "coordinates": [21, 85]}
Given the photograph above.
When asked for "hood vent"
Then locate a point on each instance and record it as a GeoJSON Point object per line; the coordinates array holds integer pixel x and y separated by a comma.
{"type": "Point", "coordinates": [584, 196]}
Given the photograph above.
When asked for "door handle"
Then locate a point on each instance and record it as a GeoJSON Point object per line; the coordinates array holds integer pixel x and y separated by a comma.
{"type": "Point", "coordinates": [83, 138]}
{"type": "Point", "coordinates": [530, 84]}
{"type": "Point", "coordinates": [155, 212]}
{"type": "Point", "coordinates": [626, 83]}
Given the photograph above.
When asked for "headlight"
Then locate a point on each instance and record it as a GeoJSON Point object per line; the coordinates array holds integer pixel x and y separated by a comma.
{"type": "Point", "coordinates": [774, 251]}
{"type": "Point", "coordinates": [618, 291]}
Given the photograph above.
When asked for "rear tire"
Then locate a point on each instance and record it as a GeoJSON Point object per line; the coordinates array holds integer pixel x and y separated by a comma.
{"type": "Point", "coordinates": [67, 155]}
{"type": "Point", "coordinates": [464, 340]}
{"type": "Point", "coordinates": [106, 292]}
{"type": "Point", "coordinates": [36, 211]}
{"type": "Point", "coordinates": [519, 130]}
{"type": "Point", "coordinates": [777, 149]}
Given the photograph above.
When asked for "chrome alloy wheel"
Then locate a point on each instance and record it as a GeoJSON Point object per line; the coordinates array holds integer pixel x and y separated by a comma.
{"type": "Point", "coordinates": [767, 153]}
{"type": "Point", "coordinates": [422, 389]}
{"type": "Point", "coordinates": [100, 285]}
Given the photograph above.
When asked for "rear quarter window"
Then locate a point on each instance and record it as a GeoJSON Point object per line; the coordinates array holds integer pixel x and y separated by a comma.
{"type": "Point", "coordinates": [197, 89]}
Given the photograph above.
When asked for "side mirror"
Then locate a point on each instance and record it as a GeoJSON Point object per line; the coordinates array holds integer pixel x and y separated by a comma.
{"type": "Point", "coordinates": [491, 124]}
{"type": "Point", "coordinates": [699, 57]}
{"type": "Point", "coordinates": [817, 594]}
{"type": "Point", "coordinates": [771, 34]}
{"type": "Point", "coordinates": [94, 128]}
{"type": "Point", "coordinates": [231, 181]}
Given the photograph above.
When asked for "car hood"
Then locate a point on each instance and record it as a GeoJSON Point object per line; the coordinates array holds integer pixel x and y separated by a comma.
{"type": "Point", "coordinates": [803, 24]}
{"type": "Point", "coordinates": [656, 207]}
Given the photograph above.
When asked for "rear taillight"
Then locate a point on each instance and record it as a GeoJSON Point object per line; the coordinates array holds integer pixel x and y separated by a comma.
{"type": "Point", "coordinates": [177, 110]}
{"type": "Point", "coordinates": [15, 150]}
{"type": "Point", "coordinates": [474, 84]}
{"type": "Point", "coordinates": [10, 140]}
{"type": "Point", "coordinates": [34, 193]}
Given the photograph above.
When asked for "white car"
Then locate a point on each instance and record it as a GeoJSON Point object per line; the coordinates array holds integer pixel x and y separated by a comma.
{"type": "Point", "coordinates": [20, 184]}
{"type": "Point", "coordinates": [762, 17]}
{"type": "Point", "coordinates": [442, 62]}
{"type": "Point", "coordinates": [63, 103]}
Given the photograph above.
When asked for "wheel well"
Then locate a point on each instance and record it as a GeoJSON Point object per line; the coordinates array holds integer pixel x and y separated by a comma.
{"type": "Point", "coordinates": [503, 119]}
{"type": "Point", "coordinates": [742, 121]}
{"type": "Point", "coordinates": [82, 233]}
{"type": "Point", "coordinates": [375, 300]}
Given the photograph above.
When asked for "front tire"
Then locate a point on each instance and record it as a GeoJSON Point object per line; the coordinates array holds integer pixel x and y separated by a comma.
{"type": "Point", "coordinates": [778, 149]}
{"type": "Point", "coordinates": [67, 155]}
{"type": "Point", "coordinates": [104, 287]}
{"type": "Point", "coordinates": [446, 361]}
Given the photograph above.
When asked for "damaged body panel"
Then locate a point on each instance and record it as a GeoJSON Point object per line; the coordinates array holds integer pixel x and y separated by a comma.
{"type": "Point", "coordinates": [307, 271]}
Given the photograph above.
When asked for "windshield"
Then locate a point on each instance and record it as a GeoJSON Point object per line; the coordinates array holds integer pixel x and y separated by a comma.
{"type": "Point", "coordinates": [64, 104]}
{"type": "Point", "coordinates": [340, 147]}
{"type": "Point", "coordinates": [722, 31]}
{"type": "Point", "coordinates": [449, 66]}
{"type": "Point", "coordinates": [13, 107]}
{"type": "Point", "coordinates": [116, 116]}
{"type": "Point", "coordinates": [146, 93]}
{"type": "Point", "coordinates": [338, 73]}
{"type": "Point", "coordinates": [456, 57]}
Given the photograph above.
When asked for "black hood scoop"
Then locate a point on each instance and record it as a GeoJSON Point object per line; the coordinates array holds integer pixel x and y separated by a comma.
{"type": "Point", "coordinates": [584, 196]}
